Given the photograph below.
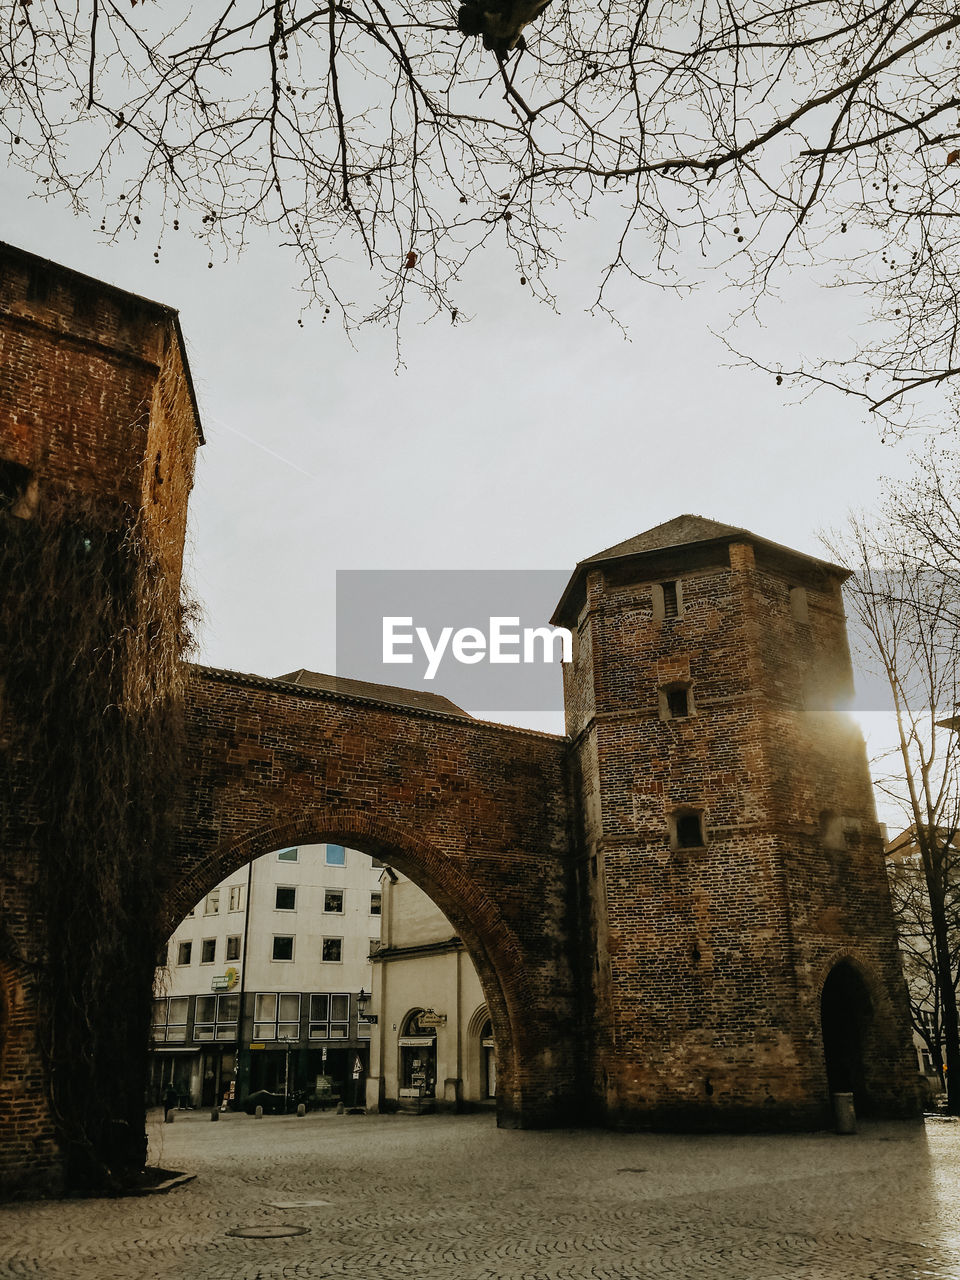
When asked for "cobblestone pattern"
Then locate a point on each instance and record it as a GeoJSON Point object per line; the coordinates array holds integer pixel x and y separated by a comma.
{"type": "Point", "coordinates": [453, 1197]}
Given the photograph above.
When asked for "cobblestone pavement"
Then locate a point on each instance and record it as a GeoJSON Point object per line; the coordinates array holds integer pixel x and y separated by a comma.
{"type": "Point", "coordinates": [454, 1198]}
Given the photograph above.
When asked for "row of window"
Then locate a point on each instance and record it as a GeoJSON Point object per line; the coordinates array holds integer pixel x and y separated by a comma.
{"type": "Point", "coordinates": [668, 601]}
{"type": "Point", "coordinates": [284, 945]}
{"type": "Point", "coordinates": [285, 900]}
{"type": "Point", "coordinates": [276, 1016]}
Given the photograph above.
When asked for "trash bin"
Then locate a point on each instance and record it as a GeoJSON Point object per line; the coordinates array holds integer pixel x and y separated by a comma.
{"type": "Point", "coordinates": [844, 1114]}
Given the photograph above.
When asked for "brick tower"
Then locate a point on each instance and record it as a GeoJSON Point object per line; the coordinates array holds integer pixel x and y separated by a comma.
{"type": "Point", "coordinates": [98, 431]}
{"type": "Point", "coordinates": [734, 905]}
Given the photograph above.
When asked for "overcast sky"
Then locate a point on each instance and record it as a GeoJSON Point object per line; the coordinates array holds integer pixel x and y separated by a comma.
{"type": "Point", "coordinates": [521, 439]}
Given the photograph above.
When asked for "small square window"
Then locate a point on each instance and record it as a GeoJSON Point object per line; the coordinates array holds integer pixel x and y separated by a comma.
{"type": "Point", "coordinates": [288, 855]}
{"type": "Point", "coordinates": [286, 899]}
{"type": "Point", "coordinates": [236, 898]}
{"type": "Point", "coordinates": [333, 900]}
{"type": "Point", "coordinates": [185, 953]}
{"type": "Point", "coordinates": [336, 855]}
{"type": "Point", "coordinates": [376, 902]}
{"type": "Point", "coordinates": [233, 947]}
{"type": "Point", "coordinates": [688, 830]}
{"type": "Point", "coordinates": [212, 904]}
{"type": "Point", "coordinates": [208, 951]}
{"type": "Point", "coordinates": [283, 947]}
{"type": "Point", "coordinates": [332, 950]}
{"type": "Point", "coordinates": [374, 945]}
{"type": "Point", "coordinates": [676, 700]}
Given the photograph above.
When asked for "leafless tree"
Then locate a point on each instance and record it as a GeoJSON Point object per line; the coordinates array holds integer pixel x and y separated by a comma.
{"type": "Point", "coordinates": [904, 610]}
{"type": "Point", "coordinates": [754, 136]}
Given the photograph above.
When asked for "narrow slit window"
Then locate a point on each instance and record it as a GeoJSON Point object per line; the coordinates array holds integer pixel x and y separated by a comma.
{"type": "Point", "coordinates": [671, 604]}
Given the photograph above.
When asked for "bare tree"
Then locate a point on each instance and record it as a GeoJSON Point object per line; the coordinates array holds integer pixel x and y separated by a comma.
{"type": "Point", "coordinates": [910, 896]}
{"type": "Point", "coordinates": [758, 136]}
{"type": "Point", "coordinates": [904, 624]}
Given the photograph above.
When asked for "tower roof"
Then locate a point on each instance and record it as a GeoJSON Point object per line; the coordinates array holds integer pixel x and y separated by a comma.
{"type": "Point", "coordinates": [682, 532]}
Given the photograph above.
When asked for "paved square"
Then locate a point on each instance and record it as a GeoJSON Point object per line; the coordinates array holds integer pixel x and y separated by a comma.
{"type": "Point", "coordinates": [453, 1198]}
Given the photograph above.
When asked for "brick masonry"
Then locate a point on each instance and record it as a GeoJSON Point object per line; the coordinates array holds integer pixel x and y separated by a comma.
{"type": "Point", "coordinates": [630, 981]}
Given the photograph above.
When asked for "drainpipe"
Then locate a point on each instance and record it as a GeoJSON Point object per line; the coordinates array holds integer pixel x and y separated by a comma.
{"type": "Point", "coordinates": [243, 1053]}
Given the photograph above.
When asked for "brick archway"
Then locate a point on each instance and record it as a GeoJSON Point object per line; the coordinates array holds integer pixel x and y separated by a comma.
{"type": "Point", "coordinates": [474, 813]}
{"type": "Point", "coordinates": [494, 947]}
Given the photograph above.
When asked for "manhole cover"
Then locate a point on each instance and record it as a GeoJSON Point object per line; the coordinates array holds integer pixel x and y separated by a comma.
{"type": "Point", "coordinates": [267, 1232]}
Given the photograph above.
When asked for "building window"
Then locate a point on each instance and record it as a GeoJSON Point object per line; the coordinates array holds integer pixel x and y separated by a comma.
{"type": "Point", "coordinates": [283, 946]}
{"type": "Point", "coordinates": [336, 855]}
{"type": "Point", "coordinates": [204, 1017]}
{"type": "Point", "coordinates": [376, 903]}
{"type": "Point", "coordinates": [170, 1019]}
{"type": "Point", "coordinates": [228, 1015]}
{"type": "Point", "coordinates": [288, 855]}
{"type": "Point", "coordinates": [212, 904]}
{"type": "Point", "coordinates": [184, 953]}
{"type": "Point", "coordinates": [236, 898]}
{"type": "Point", "coordinates": [208, 951]}
{"type": "Point", "coordinates": [676, 700]}
{"type": "Point", "coordinates": [329, 1016]}
{"type": "Point", "coordinates": [332, 951]}
{"type": "Point", "coordinates": [667, 600]}
{"type": "Point", "coordinates": [374, 945]}
{"type": "Point", "coordinates": [286, 899]}
{"type": "Point", "coordinates": [233, 947]}
{"type": "Point", "coordinates": [798, 604]}
{"type": "Point", "coordinates": [333, 900]}
{"type": "Point", "coordinates": [686, 829]}
{"type": "Point", "coordinates": [276, 1016]}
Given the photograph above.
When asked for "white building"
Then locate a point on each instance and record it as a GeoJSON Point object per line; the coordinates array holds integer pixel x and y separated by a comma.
{"type": "Point", "coordinates": [433, 1043]}
{"type": "Point", "coordinates": [261, 981]}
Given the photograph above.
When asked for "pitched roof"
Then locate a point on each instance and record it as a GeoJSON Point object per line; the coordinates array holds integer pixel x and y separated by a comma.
{"type": "Point", "coordinates": [672, 533]}
{"type": "Point", "coordinates": [420, 699]}
{"type": "Point", "coordinates": [684, 531]}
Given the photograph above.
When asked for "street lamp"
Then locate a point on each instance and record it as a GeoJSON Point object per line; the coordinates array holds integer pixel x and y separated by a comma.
{"type": "Point", "coordinates": [363, 999]}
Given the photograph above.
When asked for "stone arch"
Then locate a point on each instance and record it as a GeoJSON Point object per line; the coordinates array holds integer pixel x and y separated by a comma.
{"type": "Point", "coordinates": [493, 946]}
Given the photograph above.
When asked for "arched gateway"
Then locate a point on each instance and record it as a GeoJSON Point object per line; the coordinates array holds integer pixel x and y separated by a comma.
{"type": "Point", "coordinates": [651, 898]}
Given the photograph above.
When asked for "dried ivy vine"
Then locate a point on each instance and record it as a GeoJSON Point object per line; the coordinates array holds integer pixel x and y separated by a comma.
{"type": "Point", "coordinates": [92, 636]}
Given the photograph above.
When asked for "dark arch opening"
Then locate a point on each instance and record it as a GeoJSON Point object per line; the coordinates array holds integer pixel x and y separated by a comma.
{"type": "Point", "coordinates": [846, 1013]}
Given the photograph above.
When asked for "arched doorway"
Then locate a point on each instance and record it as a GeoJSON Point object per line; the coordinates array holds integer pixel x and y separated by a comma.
{"type": "Point", "coordinates": [846, 1013]}
{"type": "Point", "coordinates": [488, 1059]}
{"type": "Point", "coordinates": [418, 1056]}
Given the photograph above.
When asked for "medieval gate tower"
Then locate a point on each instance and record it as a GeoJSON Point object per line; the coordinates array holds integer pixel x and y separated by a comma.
{"type": "Point", "coordinates": [678, 909]}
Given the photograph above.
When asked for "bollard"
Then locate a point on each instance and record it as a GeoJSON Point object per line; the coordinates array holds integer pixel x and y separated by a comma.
{"type": "Point", "coordinates": [259, 1113]}
{"type": "Point", "coordinates": [215, 1114]}
{"type": "Point", "coordinates": [844, 1113]}
{"type": "Point", "coordinates": [301, 1108]}
{"type": "Point", "coordinates": [168, 1116]}
{"type": "Point", "coordinates": [339, 1108]}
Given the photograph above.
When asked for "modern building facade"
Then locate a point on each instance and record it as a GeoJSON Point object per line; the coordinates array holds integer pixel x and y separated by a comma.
{"type": "Point", "coordinates": [432, 1044]}
{"type": "Point", "coordinates": [260, 983]}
